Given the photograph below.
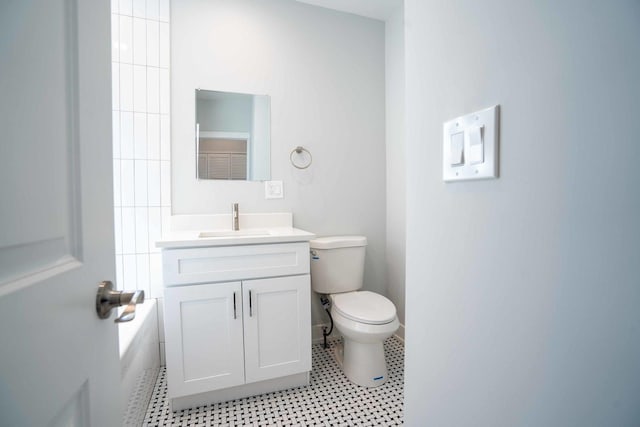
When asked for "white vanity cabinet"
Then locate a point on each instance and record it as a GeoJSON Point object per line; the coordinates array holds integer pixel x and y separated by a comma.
{"type": "Point", "coordinates": [237, 321]}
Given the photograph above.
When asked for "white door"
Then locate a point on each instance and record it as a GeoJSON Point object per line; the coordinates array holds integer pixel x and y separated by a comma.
{"type": "Point", "coordinates": [58, 361]}
{"type": "Point", "coordinates": [204, 337]}
{"type": "Point", "coordinates": [277, 327]}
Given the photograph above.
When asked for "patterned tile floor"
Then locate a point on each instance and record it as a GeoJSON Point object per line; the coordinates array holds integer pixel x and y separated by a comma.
{"type": "Point", "coordinates": [140, 397]}
{"type": "Point", "coordinates": [330, 400]}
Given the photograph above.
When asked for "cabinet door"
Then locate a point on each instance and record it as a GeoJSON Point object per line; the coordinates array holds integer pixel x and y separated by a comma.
{"type": "Point", "coordinates": [277, 327]}
{"type": "Point", "coordinates": [204, 340]}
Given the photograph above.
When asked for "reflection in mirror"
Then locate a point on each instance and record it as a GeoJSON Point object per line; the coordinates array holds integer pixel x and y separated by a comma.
{"type": "Point", "coordinates": [233, 136]}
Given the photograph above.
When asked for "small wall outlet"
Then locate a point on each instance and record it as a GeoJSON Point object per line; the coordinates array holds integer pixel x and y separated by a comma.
{"type": "Point", "coordinates": [273, 190]}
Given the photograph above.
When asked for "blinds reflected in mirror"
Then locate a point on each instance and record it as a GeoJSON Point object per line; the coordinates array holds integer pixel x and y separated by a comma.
{"type": "Point", "coordinates": [222, 158]}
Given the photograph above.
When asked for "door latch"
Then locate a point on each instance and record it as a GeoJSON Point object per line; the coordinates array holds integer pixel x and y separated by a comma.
{"type": "Point", "coordinates": [108, 299]}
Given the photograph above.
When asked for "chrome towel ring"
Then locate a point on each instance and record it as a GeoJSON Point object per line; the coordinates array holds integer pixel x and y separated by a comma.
{"type": "Point", "coordinates": [300, 152]}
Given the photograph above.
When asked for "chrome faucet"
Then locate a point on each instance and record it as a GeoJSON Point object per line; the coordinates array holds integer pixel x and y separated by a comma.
{"type": "Point", "coordinates": [235, 215]}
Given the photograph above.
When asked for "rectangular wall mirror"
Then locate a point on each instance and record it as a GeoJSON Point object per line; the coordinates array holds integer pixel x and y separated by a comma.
{"type": "Point", "coordinates": [233, 136]}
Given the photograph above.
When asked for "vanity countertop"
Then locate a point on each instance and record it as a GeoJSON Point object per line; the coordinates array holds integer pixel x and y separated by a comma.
{"type": "Point", "coordinates": [247, 236]}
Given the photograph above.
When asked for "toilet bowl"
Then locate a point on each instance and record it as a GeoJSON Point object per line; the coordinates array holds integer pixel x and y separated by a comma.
{"type": "Point", "coordinates": [364, 330]}
{"type": "Point", "coordinates": [365, 319]}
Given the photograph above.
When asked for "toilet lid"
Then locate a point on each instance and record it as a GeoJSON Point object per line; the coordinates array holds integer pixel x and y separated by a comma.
{"type": "Point", "coordinates": [365, 307]}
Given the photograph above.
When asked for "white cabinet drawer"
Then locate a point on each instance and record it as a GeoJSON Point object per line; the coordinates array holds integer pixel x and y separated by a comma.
{"type": "Point", "coordinates": [221, 264]}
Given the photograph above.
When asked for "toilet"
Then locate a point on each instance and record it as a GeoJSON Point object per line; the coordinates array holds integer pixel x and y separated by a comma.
{"type": "Point", "coordinates": [365, 319]}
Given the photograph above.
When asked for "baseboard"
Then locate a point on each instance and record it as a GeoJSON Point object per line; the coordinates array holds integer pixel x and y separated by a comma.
{"type": "Point", "coordinates": [317, 338]}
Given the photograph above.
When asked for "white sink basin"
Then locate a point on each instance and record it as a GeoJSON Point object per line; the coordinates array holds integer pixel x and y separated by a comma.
{"type": "Point", "coordinates": [231, 233]}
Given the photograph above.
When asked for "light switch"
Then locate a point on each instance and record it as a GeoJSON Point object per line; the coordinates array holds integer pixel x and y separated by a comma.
{"type": "Point", "coordinates": [273, 190]}
{"type": "Point", "coordinates": [470, 146]}
{"type": "Point", "coordinates": [476, 145]}
{"type": "Point", "coordinates": [457, 149]}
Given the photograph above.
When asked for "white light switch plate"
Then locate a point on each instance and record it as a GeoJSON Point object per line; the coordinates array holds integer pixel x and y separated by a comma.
{"type": "Point", "coordinates": [476, 165]}
{"type": "Point", "coordinates": [273, 190]}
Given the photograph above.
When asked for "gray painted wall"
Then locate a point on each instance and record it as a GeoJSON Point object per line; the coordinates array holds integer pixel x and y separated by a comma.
{"type": "Point", "coordinates": [324, 71]}
{"type": "Point", "coordinates": [523, 293]}
{"type": "Point", "coordinates": [395, 161]}
{"type": "Point", "coordinates": [225, 115]}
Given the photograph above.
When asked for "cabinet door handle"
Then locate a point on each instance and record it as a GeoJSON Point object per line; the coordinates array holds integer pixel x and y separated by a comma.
{"type": "Point", "coordinates": [250, 306]}
{"type": "Point", "coordinates": [234, 306]}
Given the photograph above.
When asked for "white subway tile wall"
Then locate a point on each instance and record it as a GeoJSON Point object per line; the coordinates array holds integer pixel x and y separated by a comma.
{"type": "Point", "coordinates": [141, 139]}
{"type": "Point", "coordinates": [126, 7]}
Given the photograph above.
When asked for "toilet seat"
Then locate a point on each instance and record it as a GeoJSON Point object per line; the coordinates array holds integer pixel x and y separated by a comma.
{"type": "Point", "coordinates": [364, 307]}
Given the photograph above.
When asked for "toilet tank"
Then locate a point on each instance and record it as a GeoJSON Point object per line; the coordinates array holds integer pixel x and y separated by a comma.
{"type": "Point", "coordinates": [337, 263]}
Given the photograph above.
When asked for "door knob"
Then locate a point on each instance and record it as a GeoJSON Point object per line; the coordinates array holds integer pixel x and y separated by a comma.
{"type": "Point", "coordinates": [108, 299]}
